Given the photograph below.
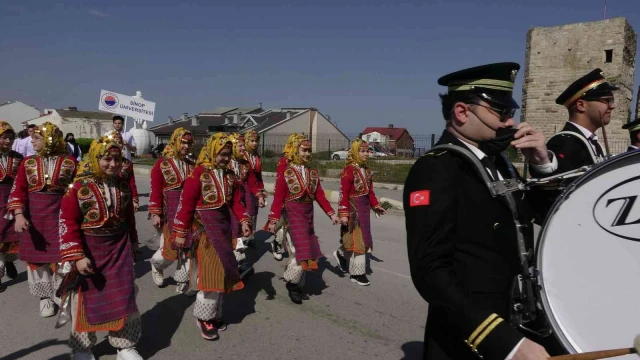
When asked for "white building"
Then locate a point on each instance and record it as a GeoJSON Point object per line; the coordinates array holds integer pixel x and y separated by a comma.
{"type": "Point", "coordinates": [83, 124]}
{"type": "Point", "coordinates": [376, 137]}
{"type": "Point", "coordinates": [16, 112]}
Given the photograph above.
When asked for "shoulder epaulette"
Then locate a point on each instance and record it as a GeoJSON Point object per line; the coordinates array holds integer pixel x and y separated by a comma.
{"type": "Point", "coordinates": [436, 153]}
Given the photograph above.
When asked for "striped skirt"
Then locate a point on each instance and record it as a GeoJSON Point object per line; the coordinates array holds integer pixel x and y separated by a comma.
{"type": "Point", "coordinates": [171, 202]}
{"type": "Point", "coordinates": [303, 236]}
{"type": "Point", "coordinates": [217, 265]}
{"type": "Point", "coordinates": [107, 297]}
{"type": "Point", "coordinates": [356, 236]}
{"type": "Point", "coordinates": [41, 243]}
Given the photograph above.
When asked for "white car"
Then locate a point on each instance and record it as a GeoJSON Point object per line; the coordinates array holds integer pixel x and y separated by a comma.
{"type": "Point", "coordinates": [342, 154]}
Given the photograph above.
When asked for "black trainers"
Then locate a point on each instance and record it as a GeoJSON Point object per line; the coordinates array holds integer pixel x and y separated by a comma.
{"type": "Point", "coordinates": [208, 329]}
{"type": "Point", "coordinates": [2, 287]}
{"type": "Point", "coordinates": [12, 272]}
{"type": "Point", "coordinates": [342, 262]}
{"type": "Point", "coordinates": [360, 280]}
{"type": "Point", "coordinates": [220, 324]}
{"type": "Point", "coordinates": [294, 293]}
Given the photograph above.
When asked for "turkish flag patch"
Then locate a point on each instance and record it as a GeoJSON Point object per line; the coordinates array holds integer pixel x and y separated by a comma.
{"type": "Point", "coordinates": [419, 198]}
{"type": "Point", "coordinates": [561, 156]}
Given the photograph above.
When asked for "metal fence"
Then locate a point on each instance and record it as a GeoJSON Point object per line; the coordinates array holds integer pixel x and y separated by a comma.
{"type": "Point", "coordinates": [272, 145]}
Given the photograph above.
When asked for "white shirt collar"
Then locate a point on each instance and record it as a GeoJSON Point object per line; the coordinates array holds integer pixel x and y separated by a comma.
{"type": "Point", "coordinates": [633, 146]}
{"type": "Point", "coordinates": [477, 152]}
{"type": "Point", "coordinates": [585, 132]}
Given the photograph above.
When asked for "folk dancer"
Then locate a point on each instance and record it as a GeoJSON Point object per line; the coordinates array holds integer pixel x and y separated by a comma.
{"type": "Point", "coordinates": [249, 189]}
{"type": "Point", "coordinates": [208, 195]}
{"type": "Point", "coordinates": [98, 242]}
{"type": "Point", "coordinates": [357, 199]}
{"type": "Point", "coordinates": [282, 233]}
{"type": "Point", "coordinates": [295, 190]}
{"type": "Point", "coordinates": [634, 133]}
{"type": "Point", "coordinates": [34, 201]}
{"type": "Point", "coordinates": [126, 171]}
{"type": "Point", "coordinates": [254, 201]}
{"type": "Point", "coordinates": [462, 241]}
{"type": "Point", "coordinates": [9, 163]}
{"type": "Point", "coordinates": [167, 179]}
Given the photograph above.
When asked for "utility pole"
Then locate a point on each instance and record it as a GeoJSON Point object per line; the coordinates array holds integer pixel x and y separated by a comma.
{"type": "Point", "coordinates": [604, 16]}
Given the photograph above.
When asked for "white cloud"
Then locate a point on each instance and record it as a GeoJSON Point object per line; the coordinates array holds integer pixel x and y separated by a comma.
{"type": "Point", "coordinates": [98, 13]}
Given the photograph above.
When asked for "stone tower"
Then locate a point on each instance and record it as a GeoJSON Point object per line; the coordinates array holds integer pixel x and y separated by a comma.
{"type": "Point", "coordinates": [557, 56]}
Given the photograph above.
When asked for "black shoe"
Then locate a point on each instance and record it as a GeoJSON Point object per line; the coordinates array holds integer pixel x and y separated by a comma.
{"type": "Point", "coordinates": [342, 262]}
{"type": "Point", "coordinates": [294, 293]}
{"type": "Point", "coordinates": [12, 272]}
{"type": "Point", "coordinates": [360, 280]}
{"type": "Point", "coordinates": [208, 329]}
{"type": "Point", "coordinates": [2, 287]}
{"type": "Point", "coordinates": [220, 324]}
{"type": "Point", "coordinates": [303, 295]}
{"type": "Point", "coordinates": [245, 270]}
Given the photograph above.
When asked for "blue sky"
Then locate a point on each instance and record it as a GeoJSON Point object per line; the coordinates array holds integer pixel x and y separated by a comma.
{"type": "Point", "coordinates": [364, 63]}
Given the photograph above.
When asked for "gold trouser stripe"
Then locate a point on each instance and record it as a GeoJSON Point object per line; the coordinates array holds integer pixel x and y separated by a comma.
{"type": "Point", "coordinates": [487, 331]}
{"type": "Point", "coordinates": [484, 324]}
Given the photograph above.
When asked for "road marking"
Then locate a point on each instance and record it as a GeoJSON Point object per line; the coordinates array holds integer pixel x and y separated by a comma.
{"type": "Point", "coordinates": [391, 272]}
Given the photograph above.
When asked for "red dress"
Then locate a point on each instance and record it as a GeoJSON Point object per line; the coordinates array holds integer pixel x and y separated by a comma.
{"type": "Point", "coordinates": [8, 172]}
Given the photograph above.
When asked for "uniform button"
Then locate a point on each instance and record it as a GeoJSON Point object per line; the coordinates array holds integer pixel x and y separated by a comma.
{"type": "Point", "coordinates": [496, 225]}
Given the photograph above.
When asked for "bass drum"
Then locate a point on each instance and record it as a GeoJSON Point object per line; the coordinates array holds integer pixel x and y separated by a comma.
{"type": "Point", "coordinates": [588, 257]}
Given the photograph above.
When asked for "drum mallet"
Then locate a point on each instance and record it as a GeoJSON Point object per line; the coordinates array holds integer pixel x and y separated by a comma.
{"type": "Point", "coordinates": [603, 354]}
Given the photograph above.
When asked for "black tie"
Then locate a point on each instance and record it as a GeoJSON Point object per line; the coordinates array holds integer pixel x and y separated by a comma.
{"type": "Point", "coordinates": [597, 146]}
{"type": "Point", "coordinates": [490, 164]}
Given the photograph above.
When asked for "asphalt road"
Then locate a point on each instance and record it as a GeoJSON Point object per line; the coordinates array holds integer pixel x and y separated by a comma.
{"type": "Point", "coordinates": [340, 320]}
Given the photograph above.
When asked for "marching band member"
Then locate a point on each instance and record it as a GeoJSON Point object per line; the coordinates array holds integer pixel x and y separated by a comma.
{"type": "Point", "coordinates": [9, 162]}
{"type": "Point", "coordinates": [98, 243]}
{"type": "Point", "coordinates": [167, 179]}
{"type": "Point", "coordinates": [634, 133]}
{"type": "Point", "coordinates": [357, 198]}
{"type": "Point", "coordinates": [462, 241]}
{"type": "Point", "coordinates": [208, 196]}
{"type": "Point", "coordinates": [34, 201]}
{"type": "Point", "coordinates": [254, 201]}
{"type": "Point", "coordinates": [297, 186]}
{"type": "Point", "coordinates": [126, 171]}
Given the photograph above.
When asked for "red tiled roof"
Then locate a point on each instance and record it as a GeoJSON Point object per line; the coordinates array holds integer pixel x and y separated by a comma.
{"type": "Point", "coordinates": [393, 133]}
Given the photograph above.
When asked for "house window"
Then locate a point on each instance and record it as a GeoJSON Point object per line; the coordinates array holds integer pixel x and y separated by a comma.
{"type": "Point", "coordinates": [608, 56]}
{"type": "Point", "coordinates": [368, 138]}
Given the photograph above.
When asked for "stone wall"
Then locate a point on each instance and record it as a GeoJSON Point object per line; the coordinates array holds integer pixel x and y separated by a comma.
{"type": "Point", "coordinates": [557, 56]}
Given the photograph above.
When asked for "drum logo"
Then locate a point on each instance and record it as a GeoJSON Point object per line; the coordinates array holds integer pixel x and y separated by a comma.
{"type": "Point", "coordinates": [617, 210]}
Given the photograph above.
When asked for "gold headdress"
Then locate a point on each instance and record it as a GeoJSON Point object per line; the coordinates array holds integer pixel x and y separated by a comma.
{"type": "Point", "coordinates": [89, 167]}
{"type": "Point", "coordinates": [5, 126]}
{"type": "Point", "coordinates": [250, 135]}
{"type": "Point", "coordinates": [291, 149]}
{"type": "Point", "coordinates": [353, 156]}
{"type": "Point", "coordinates": [212, 148]}
{"type": "Point", "coordinates": [179, 136]}
{"type": "Point", "coordinates": [236, 138]}
{"type": "Point", "coordinates": [53, 139]}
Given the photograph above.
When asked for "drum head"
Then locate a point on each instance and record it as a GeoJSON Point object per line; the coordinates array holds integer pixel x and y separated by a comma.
{"type": "Point", "coordinates": [588, 256]}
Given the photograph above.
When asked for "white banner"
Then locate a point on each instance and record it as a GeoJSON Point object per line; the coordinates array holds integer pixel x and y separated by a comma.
{"type": "Point", "coordinates": [126, 105]}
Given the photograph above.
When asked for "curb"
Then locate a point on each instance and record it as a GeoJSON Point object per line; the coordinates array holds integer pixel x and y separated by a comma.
{"type": "Point", "coordinates": [332, 195]}
{"type": "Point", "coordinates": [376, 185]}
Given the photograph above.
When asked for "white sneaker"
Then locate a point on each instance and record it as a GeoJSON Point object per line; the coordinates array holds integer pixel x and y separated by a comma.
{"type": "Point", "coordinates": [157, 275]}
{"type": "Point", "coordinates": [182, 287]}
{"type": "Point", "coordinates": [82, 355]}
{"type": "Point", "coordinates": [47, 308]}
{"type": "Point", "coordinates": [129, 354]}
{"type": "Point", "coordinates": [240, 244]}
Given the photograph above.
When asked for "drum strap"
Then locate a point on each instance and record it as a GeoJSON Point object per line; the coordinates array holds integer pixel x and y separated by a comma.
{"type": "Point", "coordinates": [596, 159]}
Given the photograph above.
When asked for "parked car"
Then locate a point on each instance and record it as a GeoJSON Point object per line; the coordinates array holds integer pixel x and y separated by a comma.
{"type": "Point", "coordinates": [342, 154]}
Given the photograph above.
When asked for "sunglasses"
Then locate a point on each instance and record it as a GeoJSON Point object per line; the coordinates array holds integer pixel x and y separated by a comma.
{"type": "Point", "coordinates": [609, 101]}
{"type": "Point", "coordinates": [504, 114]}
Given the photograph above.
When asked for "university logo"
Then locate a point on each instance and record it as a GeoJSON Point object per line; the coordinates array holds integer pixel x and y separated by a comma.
{"type": "Point", "coordinates": [109, 100]}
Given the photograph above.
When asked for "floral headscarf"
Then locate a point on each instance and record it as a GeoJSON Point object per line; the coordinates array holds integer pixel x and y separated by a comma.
{"type": "Point", "coordinates": [53, 140]}
{"type": "Point", "coordinates": [353, 156]}
{"type": "Point", "coordinates": [235, 138]}
{"type": "Point", "coordinates": [89, 167]}
{"type": "Point", "coordinates": [6, 127]}
{"type": "Point", "coordinates": [212, 148]}
{"type": "Point", "coordinates": [250, 135]}
{"type": "Point", "coordinates": [179, 136]}
{"type": "Point", "coordinates": [291, 150]}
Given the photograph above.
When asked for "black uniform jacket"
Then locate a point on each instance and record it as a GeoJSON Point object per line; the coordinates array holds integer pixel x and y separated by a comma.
{"type": "Point", "coordinates": [463, 256]}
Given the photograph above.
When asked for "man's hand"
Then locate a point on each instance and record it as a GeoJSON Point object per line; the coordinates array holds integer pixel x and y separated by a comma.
{"type": "Point", "coordinates": [529, 350]}
{"type": "Point", "coordinates": [531, 142]}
